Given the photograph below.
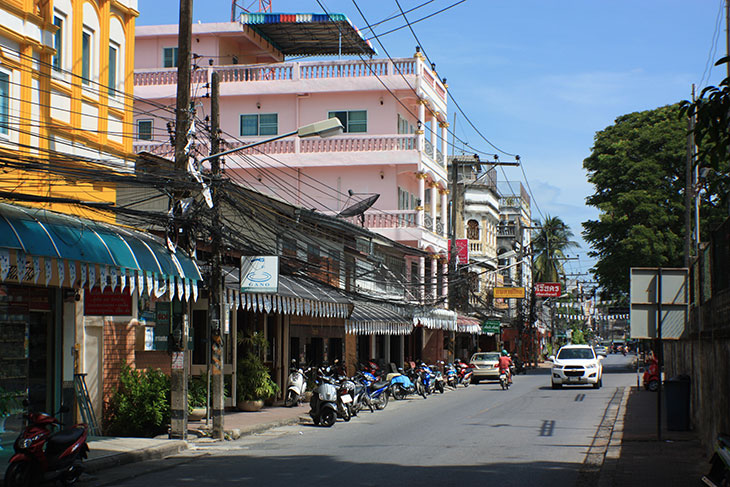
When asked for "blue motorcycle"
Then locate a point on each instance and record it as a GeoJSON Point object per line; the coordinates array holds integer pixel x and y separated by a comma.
{"type": "Point", "coordinates": [377, 391]}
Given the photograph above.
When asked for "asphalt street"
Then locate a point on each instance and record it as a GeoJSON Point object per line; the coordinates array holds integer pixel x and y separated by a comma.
{"type": "Point", "coordinates": [527, 435]}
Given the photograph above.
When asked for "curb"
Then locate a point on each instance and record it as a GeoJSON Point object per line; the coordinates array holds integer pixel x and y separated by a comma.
{"type": "Point", "coordinates": [117, 459]}
{"type": "Point", "coordinates": [237, 433]}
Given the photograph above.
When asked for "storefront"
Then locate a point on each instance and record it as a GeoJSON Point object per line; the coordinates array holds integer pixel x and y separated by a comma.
{"type": "Point", "coordinates": [67, 288]}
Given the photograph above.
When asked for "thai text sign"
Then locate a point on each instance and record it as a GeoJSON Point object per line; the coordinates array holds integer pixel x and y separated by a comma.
{"type": "Point", "coordinates": [107, 303]}
{"type": "Point", "coordinates": [491, 326]}
{"type": "Point", "coordinates": [260, 274]}
{"type": "Point", "coordinates": [509, 292]}
{"type": "Point", "coordinates": [462, 250]}
{"type": "Point", "coordinates": [547, 289]}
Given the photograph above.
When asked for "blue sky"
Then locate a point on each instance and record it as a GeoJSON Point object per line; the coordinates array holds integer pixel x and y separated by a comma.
{"type": "Point", "coordinates": [537, 78]}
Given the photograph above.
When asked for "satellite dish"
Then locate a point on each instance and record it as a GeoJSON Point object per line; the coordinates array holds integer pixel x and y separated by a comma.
{"type": "Point", "coordinates": [360, 208]}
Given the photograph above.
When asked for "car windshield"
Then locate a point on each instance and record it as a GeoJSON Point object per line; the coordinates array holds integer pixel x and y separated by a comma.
{"type": "Point", "coordinates": [480, 357]}
{"type": "Point", "coordinates": [575, 353]}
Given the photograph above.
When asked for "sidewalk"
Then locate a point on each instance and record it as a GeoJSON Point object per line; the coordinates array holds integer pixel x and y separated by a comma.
{"type": "Point", "coordinates": [635, 456]}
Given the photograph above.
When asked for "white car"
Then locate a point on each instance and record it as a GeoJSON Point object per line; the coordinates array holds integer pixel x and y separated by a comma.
{"type": "Point", "coordinates": [576, 364]}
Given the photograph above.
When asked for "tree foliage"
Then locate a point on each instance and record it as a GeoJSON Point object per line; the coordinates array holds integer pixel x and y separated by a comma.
{"type": "Point", "coordinates": [140, 407]}
{"type": "Point", "coordinates": [712, 137]}
{"type": "Point", "coordinates": [637, 167]}
{"type": "Point", "coordinates": [548, 245]}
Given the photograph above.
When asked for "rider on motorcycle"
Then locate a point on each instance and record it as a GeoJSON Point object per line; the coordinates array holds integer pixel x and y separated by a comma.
{"type": "Point", "coordinates": [504, 365]}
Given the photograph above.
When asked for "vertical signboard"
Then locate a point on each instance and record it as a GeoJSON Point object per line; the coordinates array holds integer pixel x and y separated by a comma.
{"type": "Point", "coordinates": [655, 290]}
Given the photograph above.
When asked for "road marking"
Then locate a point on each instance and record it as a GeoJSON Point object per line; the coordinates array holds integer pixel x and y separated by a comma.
{"type": "Point", "coordinates": [548, 428]}
{"type": "Point", "coordinates": [580, 397]}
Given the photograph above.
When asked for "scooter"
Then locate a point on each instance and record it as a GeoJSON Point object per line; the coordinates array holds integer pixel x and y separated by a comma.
{"type": "Point", "coordinates": [504, 379]}
{"type": "Point", "coordinates": [377, 391]}
{"type": "Point", "coordinates": [651, 379]}
{"type": "Point", "coordinates": [452, 378]}
{"type": "Point", "coordinates": [297, 384]}
{"type": "Point", "coordinates": [42, 455]}
{"type": "Point", "coordinates": [324, 407]}
{"type": "Point", "coordinates": [402, 386]}
{"type": "Point", "coordinates": [439, 383]}
{"type": "Point", "coordinates": [720, 464]}
{"type": "Point", "coordinates": [465, 373]}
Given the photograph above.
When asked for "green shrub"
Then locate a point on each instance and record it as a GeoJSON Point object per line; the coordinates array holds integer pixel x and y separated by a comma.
{"type": "Point", "coordinates": [197, 392]}
{"type": "Point", "coordinates": [140, 407]}
{"type": "Point", "coordinates": [254, 381]}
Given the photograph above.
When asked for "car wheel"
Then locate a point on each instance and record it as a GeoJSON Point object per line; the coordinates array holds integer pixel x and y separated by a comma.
{"type": "Point", "coordinates": [597, 385]}
{"type": "Point", "coordinates": [557, 386]}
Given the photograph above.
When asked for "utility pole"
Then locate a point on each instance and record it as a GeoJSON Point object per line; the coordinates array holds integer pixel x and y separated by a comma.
{"type": "Point", "coordinates": [689, 187]}
{"type": "Point", "coordinates": [179, 371]}
{"type": "Point", "coordinates": [215, 313]}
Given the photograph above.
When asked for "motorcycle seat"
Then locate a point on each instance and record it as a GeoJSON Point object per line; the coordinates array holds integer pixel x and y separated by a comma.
{"type": "Point", "coordinates": [380, 385]}
{"type": "Point", "coordinates": [61, 440]}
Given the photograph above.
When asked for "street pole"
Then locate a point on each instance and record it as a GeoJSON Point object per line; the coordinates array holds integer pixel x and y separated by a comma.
{"type": "Point", "coordinates": [453, 186]}
{"type": "Point", "coordinates": [215, 313]}
{"type": "Point", "coordinates": [660, 354]}
{"type": "Point", "coordinates": [179, 371]}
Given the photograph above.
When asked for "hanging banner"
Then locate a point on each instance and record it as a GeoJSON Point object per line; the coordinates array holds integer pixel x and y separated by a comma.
{"type": "Point", "coordinates": [260, 274]}
{"type": "Point", "coordinates": [461, 252]}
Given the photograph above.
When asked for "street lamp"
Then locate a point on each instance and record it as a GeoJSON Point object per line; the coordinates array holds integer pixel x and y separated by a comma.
{"type": "Point", "coordinates": [323, 128]}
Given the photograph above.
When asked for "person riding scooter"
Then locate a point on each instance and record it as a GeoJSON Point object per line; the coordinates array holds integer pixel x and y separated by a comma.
{"type": "Point", "coordinates": [504, 365]}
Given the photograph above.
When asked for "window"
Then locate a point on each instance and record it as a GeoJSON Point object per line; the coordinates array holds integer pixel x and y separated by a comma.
{"type": "Point", "coordinates": [355, 121]}
{"type": "Point", "coordinates": [403, 126]}
{"type": "Point", "coordinates": [57, 60]}
{"type": "Point", "coordinates": [144, 129]}
{"type": "Point", "coordinates": [112, 70]}
{"type": "Point", "coordinates": [4, 102]}
{"type": "Point", "coordinates": [85, 57]}
{"type": "Point", "coordinates": [263, 124]}
{"type": "Point", "coordinates": [472, 230]}
{"type": "Point", "coordinates": [169, 57]}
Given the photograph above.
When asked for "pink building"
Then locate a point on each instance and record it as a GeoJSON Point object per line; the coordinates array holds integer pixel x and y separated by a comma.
{"type": "Point", "coordinates": [393, 111]}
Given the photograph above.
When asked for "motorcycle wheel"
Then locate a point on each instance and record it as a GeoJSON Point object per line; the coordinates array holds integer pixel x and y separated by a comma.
{"type": "Point", "coordinates": [503, 383]}
{"type": "Point", "coordinates": [654, 385]}
{"type": "Point", "coordinates": [20, 474]}
{"type": "Point", "coordinates": [421, 390]}
{"type": "Point", "coordinates": [292, 399]}
{"type": "Point", "coordinates": [398, 394]}
{"type": "Point", "coordinates": [382, 401]}
{"type": "Point", "coordinates": [441, 388]}
{"type": "Point", "coordinates": [328, 417]}
{"type": "Point", "coordinates": [315, 420]}
{"type": "Point", "coordinates": [73, 474]}
{"type": "Point", "coordinates": [346, 412]}
{"type": "Point", "coordinates": [467, 382]}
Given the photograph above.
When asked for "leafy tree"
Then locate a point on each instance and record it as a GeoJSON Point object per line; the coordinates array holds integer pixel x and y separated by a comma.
{"type": "Point", "coordinates": [549, 244]}
{"type": "Point", "coordinates": [637, 167]}
{"type": "Point", "coordinates": [712, 114]}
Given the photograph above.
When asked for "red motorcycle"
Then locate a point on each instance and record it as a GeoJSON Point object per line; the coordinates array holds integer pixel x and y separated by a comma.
{"type": "Point", "coordinates": [45, 453]}
{"type": "Point", "coordinates": [464, 373]}
{"type": "Point", "coordinates": [651, 378]}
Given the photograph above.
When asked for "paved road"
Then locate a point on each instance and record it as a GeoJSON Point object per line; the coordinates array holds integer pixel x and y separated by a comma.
{"type": "Point", "coordinates": [528, 435]}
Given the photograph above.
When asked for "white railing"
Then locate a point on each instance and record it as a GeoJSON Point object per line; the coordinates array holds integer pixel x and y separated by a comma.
{"type": "Point", "coordinates": [296, 71]}
{"type": "Point", "coordinates": [388, 219]}
{"type": "Point", "coordinates": [475, 247]}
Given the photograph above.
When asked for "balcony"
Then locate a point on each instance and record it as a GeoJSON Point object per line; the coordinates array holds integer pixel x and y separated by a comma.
{"type": "Point", "coordinates": [312, 76]}
{"type": "Point", "coordinates": [507, 231]}
{"type": "Point", "coordinates": [475, 247]}
{"type": "Point", "coordinates": [402, 225]}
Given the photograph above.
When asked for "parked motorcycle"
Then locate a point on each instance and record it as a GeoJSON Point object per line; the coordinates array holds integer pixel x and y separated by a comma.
{"type": "Point", "coordinates": [44, 455]}
{"type": "Point", "coordinates": [401, 386]}
{"type": "Point", "coordinates": [439, 383]}
{"type": "Point", "coordinates": [465, 373]}
{"type": "Point", "coordinates": [427, 376]}
{"type": "Point", "coordinates": [297, 385]}
{"type": "Point", "coordinates": [452, 378]}
{"type": "Point", "coordinates": [378, 391]}
{"type": "Point", "coordinates": [651, 378]}
{"type": "Point", "coordinates": [719, 475]}
{"type": "Point", "coordinates": [324, 402]}
{"type": "Point", "coordinates": [519, 364]}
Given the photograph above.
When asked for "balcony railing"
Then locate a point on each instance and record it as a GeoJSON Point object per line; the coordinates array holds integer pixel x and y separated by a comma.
{"type": "Point", "coordinates": [386, 219]}
{"type": "Point", "coordinates": [476, 247]}
{"type": "Point", "coordinates": [296, 71]}
{"type": "Point", "coordinates": [506, 232]}
{"type": "Point", "coordinates": [309, 146]}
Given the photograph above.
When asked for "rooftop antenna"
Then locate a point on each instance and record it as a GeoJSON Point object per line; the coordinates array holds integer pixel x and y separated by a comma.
{"type": "Point", "coordinates": [359, 208]}
{"type": "Point", "coordinates": [264, 7]}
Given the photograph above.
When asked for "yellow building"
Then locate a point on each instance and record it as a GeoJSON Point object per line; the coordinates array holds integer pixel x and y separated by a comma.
{"type": "Point", "coordinates": [66, 84]}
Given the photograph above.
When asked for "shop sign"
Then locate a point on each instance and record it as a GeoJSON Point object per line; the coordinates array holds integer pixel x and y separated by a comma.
{"type": "Point", "coordinates": [491, 326]}
{"type": "Point", "coordinates": [509, 292]}
{"type": "Point", "coordinates": [107, 303]}
{"type": "Point", "coordinates": [547, 289]}
{"type": "Point", "coordinates": [260, 274]}
{"type": "Point", "coordinates": [462, 250]}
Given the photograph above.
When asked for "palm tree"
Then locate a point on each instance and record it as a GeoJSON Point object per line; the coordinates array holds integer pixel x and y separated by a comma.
{"type": "Point", "coordinates": [548, 247]}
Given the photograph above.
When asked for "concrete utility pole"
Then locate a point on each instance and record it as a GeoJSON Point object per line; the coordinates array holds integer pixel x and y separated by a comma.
{"type": "Point", "coordinates": [179, 371]}
{"type": "Point", "coordinates": [689, 187]}
{"type": "Point", "coordinates": [215, 313]}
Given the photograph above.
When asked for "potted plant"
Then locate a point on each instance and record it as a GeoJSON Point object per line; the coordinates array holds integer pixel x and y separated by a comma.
{"type": "Point", "coordinates": [253, 384]}
{"type": "Point", "coordinates": [9, 404]}
{"type": "Point", "coordinates": [197, 397]}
